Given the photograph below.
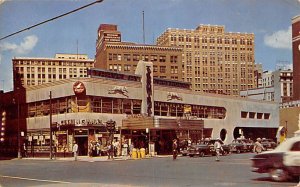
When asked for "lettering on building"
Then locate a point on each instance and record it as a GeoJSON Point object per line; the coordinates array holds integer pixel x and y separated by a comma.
{"type": "Point", "coordinates": [80, 122]}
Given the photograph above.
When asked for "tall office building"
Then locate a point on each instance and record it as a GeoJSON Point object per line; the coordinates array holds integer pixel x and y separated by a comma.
{"type": "Point", "coordinates": [28, 71]}
{"type": "Point", "coordinates": [296, 56]}
{"type": "Point", "coordinates": [214, 60]}
{"type": "Point", "coordinates": [113, 54]}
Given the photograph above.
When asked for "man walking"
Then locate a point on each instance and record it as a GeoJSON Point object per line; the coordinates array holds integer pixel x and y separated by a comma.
{"type": "Point", "coordinates": [75, 150]}
{"type": "Point", "coordinates": [174, 148]}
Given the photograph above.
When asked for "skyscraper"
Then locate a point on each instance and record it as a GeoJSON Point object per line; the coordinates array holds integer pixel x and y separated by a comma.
{"type": "Point", "coordinates": [115, 55]}
{"type": "Point", "coordinates": [214, 61]}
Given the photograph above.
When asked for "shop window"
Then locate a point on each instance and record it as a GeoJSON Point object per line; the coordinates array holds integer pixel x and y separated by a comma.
{"type": "Point", "coordinates": [106, 105]}
{"type": "Point", "coordinates": [117, 106]}
{"type": "Point", "coordinates": [136, 106]}
{"type": "Point", "coordinates": [127, 106]}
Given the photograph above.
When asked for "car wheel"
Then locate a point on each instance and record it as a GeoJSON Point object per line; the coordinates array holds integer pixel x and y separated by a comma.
{"type": "Point", "coordinates": [238, 151]}
{"type": "Point", "coordinates": [191, 155]}
{"type": "Point", "coordinates": [278, 174]}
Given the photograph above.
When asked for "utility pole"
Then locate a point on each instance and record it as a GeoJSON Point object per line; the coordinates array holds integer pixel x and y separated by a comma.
{"type": "Point", "coordinates": [143, 27]}
{"type": "Point", "coordinates": [19, 138]}
{"type": "Point", "coordinates": [51, 125]}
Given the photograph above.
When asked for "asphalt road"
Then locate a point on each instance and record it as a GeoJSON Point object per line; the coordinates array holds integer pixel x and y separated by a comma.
{"type": "Point", "coordinates": [233, 171]}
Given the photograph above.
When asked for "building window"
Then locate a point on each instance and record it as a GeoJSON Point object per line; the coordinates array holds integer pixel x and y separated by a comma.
{"type": "Point", "coordinates": [173, 59]}
{"type": "Point", "coordinates": [153, 58]}
{"type": "Point", "coordinates": [252, 115]}
{"type": "Point", "coordinates": [162, 58]}
{"type": "Point", "coordinates": [136, 57]}
{"type": "Point", "coordinates": [266, 115]}
{"type": "Point", "coordinates": [244, 114]}
{"type": "Point", "coordinates": [127, 57]}
{"type": "Point", "coordinates": [162, 69]}
{"type": "Point", "coordinates": [127, 67]}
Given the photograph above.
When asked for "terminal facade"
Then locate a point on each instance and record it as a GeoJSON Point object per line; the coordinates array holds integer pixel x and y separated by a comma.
{"type": "Point", "coordinates": [145, 109]}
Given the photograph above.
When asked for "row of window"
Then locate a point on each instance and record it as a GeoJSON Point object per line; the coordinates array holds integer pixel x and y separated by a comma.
{"type": "Point", "coordinates": [88, 104]}
{"type": "Point", "coordinates": [137, 57]}
{"type": "Point", "coordinates": [52, 63]}
{"type": "Point", "coordinates": [255, 115]}
{"type": "Point", "coordinates": [95, 104]}
{"type": "Point", "coordinates": [211, 39]}
{"type": "Point", "coordinates": [198, 111]}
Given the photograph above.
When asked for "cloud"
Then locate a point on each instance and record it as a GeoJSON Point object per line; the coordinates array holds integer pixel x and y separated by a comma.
{"type": "Point", "coordinates": [24, 47]}
{"type": "Point", "coordinates": [281, 39]}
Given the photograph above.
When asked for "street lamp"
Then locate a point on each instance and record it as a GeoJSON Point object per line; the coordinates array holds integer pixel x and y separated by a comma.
{"type": "Point", "coordinates": [50, 112]}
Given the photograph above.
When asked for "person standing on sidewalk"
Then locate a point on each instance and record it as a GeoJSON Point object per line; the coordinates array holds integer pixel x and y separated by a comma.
{"type": "Point", "coordinates": [217, 147]}
{"type": "Point", "coordinates": [125, 150]}
{"type": "Point", "coordinates": [75, 150]}
{"type": "Point", "coordinates": [174, 148]}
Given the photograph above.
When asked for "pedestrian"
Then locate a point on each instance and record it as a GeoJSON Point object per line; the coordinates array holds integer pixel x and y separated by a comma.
{"type": "Point", "coordinates": [110, 151]}
{"type": "Point", "coordinates": [174, 148]}
{"type": "Point", "coordinates": [217, 147]}
{"type": "Point", "coordinates": [125, 150]}
{"type": "Point", "coordinates": [91, 149]}
{"type": "Point", "coordinates": [98, 148]}
{"type": "Point", "coordinates": [75, 150]}
{"type": "Point", "coordinates": [258, 147]}
{"type": "Point", "coordinates": [24, 150]}
{"type": "Point", "coordinates": [131, 149]}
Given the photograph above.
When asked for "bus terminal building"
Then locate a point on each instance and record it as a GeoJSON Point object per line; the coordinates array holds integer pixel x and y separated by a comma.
{"type": "Point", "coordinates": [145, 110]}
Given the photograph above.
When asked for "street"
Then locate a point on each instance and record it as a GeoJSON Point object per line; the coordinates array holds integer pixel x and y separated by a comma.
{"type": "Point", "coordinates": [232, 170]}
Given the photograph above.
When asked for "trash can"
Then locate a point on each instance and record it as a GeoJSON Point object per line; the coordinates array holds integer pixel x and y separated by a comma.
{"type": "Point", "coordinates": [134, 153]}
{"type": "Point", "coordinates": [143, 152]}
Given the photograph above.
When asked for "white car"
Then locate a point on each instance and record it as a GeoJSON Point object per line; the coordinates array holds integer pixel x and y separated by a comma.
{"type": "Point", "coordinates": [281, 163]}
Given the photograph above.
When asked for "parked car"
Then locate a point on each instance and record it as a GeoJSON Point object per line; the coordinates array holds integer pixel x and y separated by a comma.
{"type": "Point", "coordinates": [238, 146]}
{"type": "Point", "coordinates": [282, 163]}
{"type": "Point", "coordinates": [268, 143]}
{"type": "Point", "coordinates": [241, 145]}
{"type": "Point", "coordinates": [206, 147]}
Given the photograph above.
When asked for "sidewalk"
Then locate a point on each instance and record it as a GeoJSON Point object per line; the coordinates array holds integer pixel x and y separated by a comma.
{"type": "Point", "coordinates": [95, 159]}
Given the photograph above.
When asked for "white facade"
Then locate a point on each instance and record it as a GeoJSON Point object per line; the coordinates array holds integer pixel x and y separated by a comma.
{"type": "Point", "coordinates": [239, 113]}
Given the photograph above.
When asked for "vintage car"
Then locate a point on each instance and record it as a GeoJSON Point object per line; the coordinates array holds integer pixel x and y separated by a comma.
{"type": "Point", "coordinates": [282, 163]}
{"type": "Point", "coordinates": [241, 145]}
{"type": "Point", "coordinates": [206, 147]}
{"type": "Point", "coordinates": [268, 143]}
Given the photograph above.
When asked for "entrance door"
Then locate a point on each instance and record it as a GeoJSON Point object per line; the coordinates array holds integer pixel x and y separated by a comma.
{"type": "Point", "coordinates": [82, 145]}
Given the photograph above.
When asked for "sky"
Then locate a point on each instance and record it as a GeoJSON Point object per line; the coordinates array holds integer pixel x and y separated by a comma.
{"type": "Point", "coordinates": [269, 20]}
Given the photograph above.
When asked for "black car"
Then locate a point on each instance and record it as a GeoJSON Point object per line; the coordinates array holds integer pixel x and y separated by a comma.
{"type": "Point", "coordinates": [241, 145]}
{"type": "Point", "coordinates": [281, 163]}
{"type": "Point", "coordinates": [268, 143]}
{"type": "Point", "coordinates": [206, 147]}
{"type": "Point", "coordinates": [238, 146]}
